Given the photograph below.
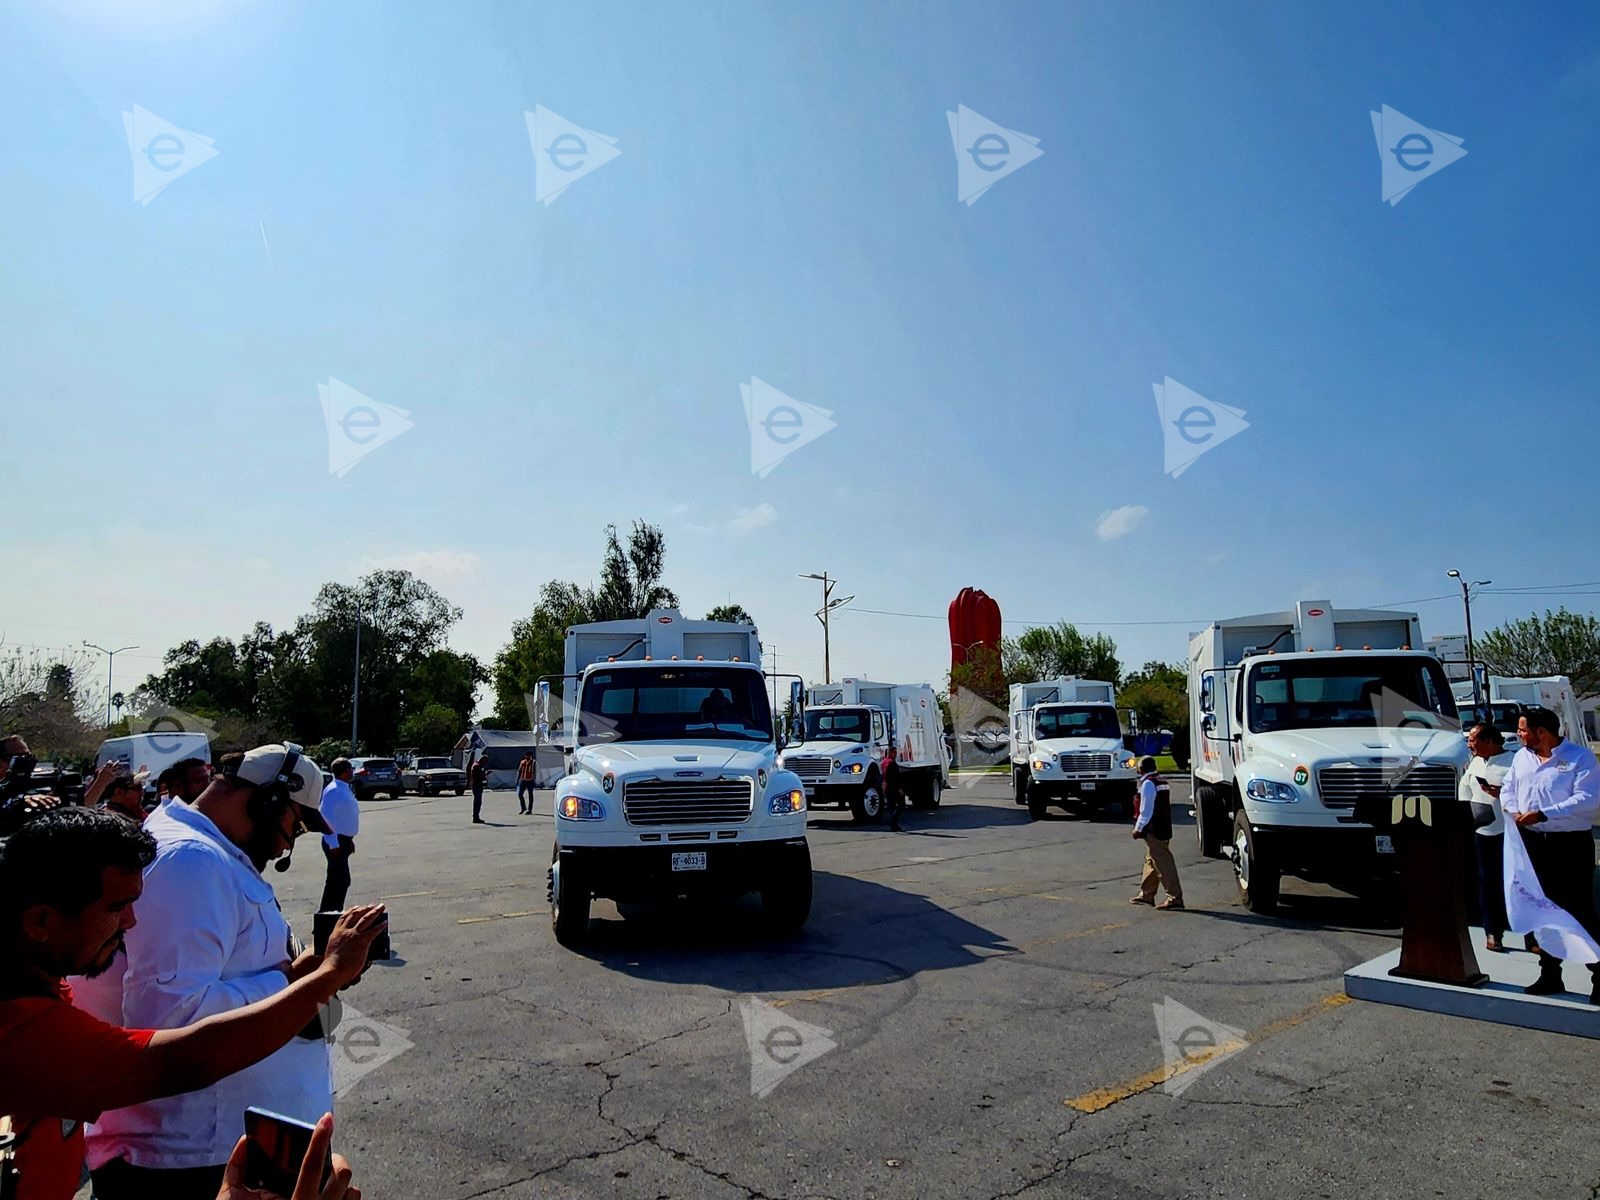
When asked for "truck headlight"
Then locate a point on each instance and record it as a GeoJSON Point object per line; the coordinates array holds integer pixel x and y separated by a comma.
{"type": "Point", "coordinates": [854, 768]}
{"type": "Point", "coordinates": [580, 808]}
{"type": "Point", "coordinates": [787, 802]}
{"type": "Point", "coordinates": [1269, 791]}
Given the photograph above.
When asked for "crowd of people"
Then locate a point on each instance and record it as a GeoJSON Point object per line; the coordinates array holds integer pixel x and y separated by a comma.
{"type": "Point", "coordinates": [151, 989]}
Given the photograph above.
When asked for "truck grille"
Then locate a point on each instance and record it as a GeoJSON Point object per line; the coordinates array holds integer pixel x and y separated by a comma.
{"type": "Point", "coordinates": [1342, 787]}
{"type": "Point", "coordinates": [687, 801]}
{"type": "Point", "coordinates": [1086, 762]}
{"type": "Point", "coordinates": [810, 766]}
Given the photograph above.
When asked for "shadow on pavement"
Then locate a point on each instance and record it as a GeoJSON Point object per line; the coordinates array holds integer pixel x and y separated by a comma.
{"type": "Point", "coordinates": [947, 816]}
{"type": "Point", "coordinates": [859, 933]}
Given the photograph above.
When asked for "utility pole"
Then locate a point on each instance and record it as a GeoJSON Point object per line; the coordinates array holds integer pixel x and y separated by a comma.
{"type": "Point", "coordinates": [1466, 603]}
{"type": "Point", "coordinates": [355, 695]}
{"type": "Point", "coordinates": [822, 615]}
{"type": "Point", "coordinates": [111, 657]}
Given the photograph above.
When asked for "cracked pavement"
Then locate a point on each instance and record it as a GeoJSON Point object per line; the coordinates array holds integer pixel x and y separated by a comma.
{"type": "Point", "coordinates": [970, 997]}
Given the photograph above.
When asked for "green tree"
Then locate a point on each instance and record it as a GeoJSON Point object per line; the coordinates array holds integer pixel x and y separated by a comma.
{"type": "Point", "coordinates": [1157, 694]}
{"type": "Point", "coordinates": [434, 730]}
{"type": "Point", "coordinates": [731, 612]}
{"type": "Point", "coordinates": [1558, 643]}
{"type": "Point", "coordinates": [1052, 651]}
{"type": "Point", "coordinates": [630, 586]}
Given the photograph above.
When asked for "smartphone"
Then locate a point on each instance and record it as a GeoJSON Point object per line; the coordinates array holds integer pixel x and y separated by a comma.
{"type": "Point", "coordinates": [322, 924]}
{"type": "Point", "coordinates": [275, 1147]}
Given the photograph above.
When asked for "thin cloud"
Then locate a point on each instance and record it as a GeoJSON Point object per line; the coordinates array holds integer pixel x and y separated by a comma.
{"type": "Point", "coordinates": [1120, 522]}
{"type": "Point", "coordinates": [435, 564]}
{"type": "Point", "coordinates": [745, 520]}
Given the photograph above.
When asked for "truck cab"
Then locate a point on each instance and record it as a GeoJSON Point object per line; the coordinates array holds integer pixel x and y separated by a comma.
{"type": "Point", "coordinates": [1067, 748]}
{"type": "Point", "coordinates": [1287, 743]}
{"type": "Point", "coordinates": [673, 785]}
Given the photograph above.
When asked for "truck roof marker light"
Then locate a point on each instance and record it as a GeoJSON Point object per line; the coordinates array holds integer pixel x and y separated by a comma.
{"type": "Point", "coordinates": [1311, 649]}
{"type": "Point", "coordinates": [699, 658]}
{"type": "Point", "coordinates": [674, 658]}
{"type": "Point", "coordinates": [735, 658]}
{"type": "Point", "coordinates": [1407, 646]}
{"type": "Point", "coordinates": [611, 658]}
{"type": "Point", "coordinates": [1338, 647]}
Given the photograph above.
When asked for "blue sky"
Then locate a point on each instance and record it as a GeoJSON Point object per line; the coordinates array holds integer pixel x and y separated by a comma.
{"type": "Point", "coordinates": [1207, 207]}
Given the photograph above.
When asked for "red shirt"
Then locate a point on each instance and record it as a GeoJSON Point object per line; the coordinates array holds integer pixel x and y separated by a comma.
{"type": "Point", "coordinates": [53, 1061]}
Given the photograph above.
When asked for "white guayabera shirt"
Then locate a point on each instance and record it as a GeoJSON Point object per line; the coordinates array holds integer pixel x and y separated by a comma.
{"type": "Point", "coordinates": [210, 938]}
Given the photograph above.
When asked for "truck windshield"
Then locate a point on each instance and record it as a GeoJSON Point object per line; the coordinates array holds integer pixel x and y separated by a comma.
{"type": "Point", "coordinates": [1088, 721]}
{"type": "Point", "coordinates": [843, 725]}
{"type": "Point", "coordinates": [674, 703]}
{"type": "Point", "coordinates": [1328, 694]}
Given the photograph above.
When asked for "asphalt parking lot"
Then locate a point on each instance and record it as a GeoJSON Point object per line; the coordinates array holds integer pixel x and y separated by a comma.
{"type": "Point", "coordinates": [988, 996]}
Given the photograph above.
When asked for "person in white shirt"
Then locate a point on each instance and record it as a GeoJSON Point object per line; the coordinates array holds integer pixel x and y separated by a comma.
{"type": "Point", "coordinates": [1154, 826]}
{"type": "Point", "coordinates": [1480, 785]}
{"type": "Point", "coordinates": [343, 815]}
{"type": "Point", "coordinates": [211, 938]}
{"type": "Point", "coordinates": [1552, 792]}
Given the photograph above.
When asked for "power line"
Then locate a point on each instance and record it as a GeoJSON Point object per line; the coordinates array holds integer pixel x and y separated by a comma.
{"type": "Point", "coordinates": [880, 612]}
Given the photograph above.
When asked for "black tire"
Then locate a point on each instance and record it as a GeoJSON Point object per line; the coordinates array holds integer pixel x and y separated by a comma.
{"type": "Point", "coordinates": [1019, 784]}
{"type": "Point", "coordinates": [461, 791]}
{"type": "Point", "coordinates": [427, 791]}
{"type": "Point", "coordinates": [786, 892]}
{"type": "Point", "coordinates": [1254, 870]}
{"type": "Point", "coordinates": [867, 804]}
{"type": "Point", "coordinates": [1210, 820]}
{"type": "Point", "coordinates": [1037, 804]}
{"type": "Point", "coordinates": [933, 795]}
{"type": "Point", "coordinates": [569, 901]}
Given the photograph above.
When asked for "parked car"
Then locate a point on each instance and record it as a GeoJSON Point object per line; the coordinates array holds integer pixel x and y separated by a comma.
{"type": "Point", "coordinates": [375, 776]}
{"type": "Point", "coordinates": [428, 776]}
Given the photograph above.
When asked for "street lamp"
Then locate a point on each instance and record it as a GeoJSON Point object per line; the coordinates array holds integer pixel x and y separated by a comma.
{"type": "Point", "coordinates": [828, 605]}
{"type": "Point", "coordinates": [1466, 603]}
{"type": "Point", "coordinates": [111, 657]}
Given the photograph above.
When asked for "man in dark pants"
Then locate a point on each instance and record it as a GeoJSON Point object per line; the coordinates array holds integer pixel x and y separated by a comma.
{"type": "Point", "coordinates": [343, 814]}
{"type": "Point", "coordinates": [478, 778]}
{"type": "Point", "coordinates": [1552, 792]}
{"type": "Point", "coordinates": [525, 780]}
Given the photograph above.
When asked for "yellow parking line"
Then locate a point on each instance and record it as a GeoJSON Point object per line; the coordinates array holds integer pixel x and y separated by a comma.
{"type": "Point", "coordinates": [1102, 1098]}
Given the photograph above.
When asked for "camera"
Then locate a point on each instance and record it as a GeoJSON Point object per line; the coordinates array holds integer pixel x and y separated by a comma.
{"type": "Point", "coordinates": [19, 777]}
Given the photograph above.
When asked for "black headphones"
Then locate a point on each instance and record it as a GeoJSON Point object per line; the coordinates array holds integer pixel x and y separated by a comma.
{"type": "Point", "coordinates": [268, 800]}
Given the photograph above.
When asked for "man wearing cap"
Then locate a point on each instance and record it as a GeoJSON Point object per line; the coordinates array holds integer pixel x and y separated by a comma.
{"type": "Point", "coordinates": [211, 938]}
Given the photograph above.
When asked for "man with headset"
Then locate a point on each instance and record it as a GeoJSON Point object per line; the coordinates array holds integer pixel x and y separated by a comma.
{"type": "Point", "coordinates": [210, 938]}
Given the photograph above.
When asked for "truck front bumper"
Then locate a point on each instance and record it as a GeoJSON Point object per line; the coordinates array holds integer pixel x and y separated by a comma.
{"type": "Point", "coordinates": [635, 874]}
{"type": "Point", "coordinates": [1333, 852]}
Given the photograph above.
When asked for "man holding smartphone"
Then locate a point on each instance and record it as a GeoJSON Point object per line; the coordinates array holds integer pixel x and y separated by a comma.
{"type": "Point", "coordinates": [68, 884]}
{"type": "Point", "coordinates": [212, 939]}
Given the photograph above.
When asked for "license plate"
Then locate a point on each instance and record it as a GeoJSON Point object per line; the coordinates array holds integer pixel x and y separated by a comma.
{"type": "Point", "coordinates": [810, 791]}
{"type": "Point", "coordinates": [1385, 844]}
{"type": "Point", "coordinates": [689, 860]}
{"type": "Point", "coordinates": [1088, 787]}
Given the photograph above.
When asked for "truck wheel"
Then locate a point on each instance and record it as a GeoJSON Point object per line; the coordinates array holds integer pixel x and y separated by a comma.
{"type": "Point", "coordinates": [1037, 804]}
{"type": "Point", "coordinates": [1254, 870]}
{"type": "Point", "coordinates": [786, 892]}
{"type": "Point", "coordinates": [934, 793]}
{"type": "Point", "coordinates": [1209, 820]}
{"type": "Point", "coordinates": [1019, 784]}
{"type": "Point", "coordinates": [569, 901]}
{"type": "Point", "coordinates": [461, 791]}
{"type": "Point", "coordinates": [868, 803]}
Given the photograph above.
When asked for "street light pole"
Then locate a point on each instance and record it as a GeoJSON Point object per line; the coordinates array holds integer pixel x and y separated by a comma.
{"type": "Point", "coordinates": [355, 694]}
{"type": "Point", "coordinates": [1466, 604]}
{"type": "Point", "coordinates": [111, 658]}
{"type": "Point", "coordinates": [828, 605]}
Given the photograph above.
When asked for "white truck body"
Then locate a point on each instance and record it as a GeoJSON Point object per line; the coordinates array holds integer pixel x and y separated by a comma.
{"type": "Point", "coordinates": [153, 753]}
{"type": "Point", "coordinates": [859, 738]}
{"type": "Point", "coordinates": [1066, 745]}
{"type": "Point", "coordinates": [673, 784]}
{"type": "Point", "coordinates": [1554, 692]}
{"type": "Point", "coordinates": [1296, 717]}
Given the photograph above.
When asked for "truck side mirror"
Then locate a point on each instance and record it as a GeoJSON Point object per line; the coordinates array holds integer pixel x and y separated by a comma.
{"type": "Point", "coordinates": [1209, 722]}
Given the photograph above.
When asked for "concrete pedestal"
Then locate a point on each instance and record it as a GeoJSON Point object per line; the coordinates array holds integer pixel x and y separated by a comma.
{"type": "Point", "coordinates": [1500, 1000]}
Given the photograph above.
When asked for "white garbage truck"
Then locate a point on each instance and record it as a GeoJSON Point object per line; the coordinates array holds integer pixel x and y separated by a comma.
{"type": "Point", "coordinates": [855, 739]}
{"type": "Point", "coordinates": [1066, 746]}
{"type": "Point", "coordinates": [1296, 718]}
{"type": "Point", "coordinates": [673, 785]}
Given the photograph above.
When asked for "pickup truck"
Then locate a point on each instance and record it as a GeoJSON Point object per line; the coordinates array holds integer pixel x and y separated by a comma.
{"type": "Point", "coordinates": [430, 776]}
